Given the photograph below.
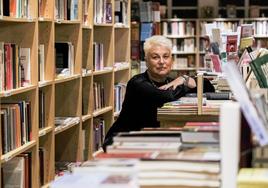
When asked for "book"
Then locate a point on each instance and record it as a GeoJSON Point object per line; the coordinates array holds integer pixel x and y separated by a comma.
{"type": "Point", "coordinates": [240, 91]}
{"type": "Point", "coordinates": [148, 136]}
{"type": "Point", "coordinates": [259, 67]}
{"type": "Point", "coordinates": [252, 178]}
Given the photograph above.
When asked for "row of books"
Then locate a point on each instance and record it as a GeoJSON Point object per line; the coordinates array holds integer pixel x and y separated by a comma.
{"type": "Point", "coordinates": [184, 62]}
{"type": "Point", "coordinates": [121, 12]}
{"type": "Point", "coordinates": [136, 159]}
{"type": "Point", "coordinates": [183, 45]}
{"type": "Point", "coordinates": [102, 11]}
{"type": "Point", "coordinates": [15, 124]}
{"type": "Point", "coordinates": [17, 172]}
{"type": "Point", "coordinates": [119, 94]}
{"type": "Point", "coordinates": [98, 55]}
{"type": "Point", "coordinates": [64, 9]}
{"type": "Point", "coordinates": [14, 66]}
{"type": "Point", "coordinates": [98, 95]}
{"type": "Point", "coordinates": [98, 132]}
{"type": "Point", "coordinates": [149, 11]}
{"type": "Point", "coordinates": [16, 9]}
{"type": "Point", "coordinates": [178, 28]}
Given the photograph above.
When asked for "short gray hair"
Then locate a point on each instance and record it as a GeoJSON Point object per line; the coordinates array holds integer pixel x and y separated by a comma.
{"type": "Point", "coordinates": [156, 40]}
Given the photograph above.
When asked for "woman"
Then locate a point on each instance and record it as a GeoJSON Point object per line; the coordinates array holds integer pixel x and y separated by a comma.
{"type": "Point", "coordinates": [150, 90]}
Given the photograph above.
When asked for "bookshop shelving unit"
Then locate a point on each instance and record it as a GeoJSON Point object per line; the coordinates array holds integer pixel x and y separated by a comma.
{"type": "Point", "coordinates": [68, 96]}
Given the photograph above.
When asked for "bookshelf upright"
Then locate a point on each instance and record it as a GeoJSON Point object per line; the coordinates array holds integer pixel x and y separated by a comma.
{"type": "Point", "coordinates": [61, 86]}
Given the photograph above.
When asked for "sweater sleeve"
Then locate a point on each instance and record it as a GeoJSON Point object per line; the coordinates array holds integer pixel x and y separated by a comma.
{"type": "Point", "coordinates": [152, 94]}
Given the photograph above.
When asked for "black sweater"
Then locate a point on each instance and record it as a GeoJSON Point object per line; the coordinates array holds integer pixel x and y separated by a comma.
{"type": "Point", "coordinates": [140, 105]}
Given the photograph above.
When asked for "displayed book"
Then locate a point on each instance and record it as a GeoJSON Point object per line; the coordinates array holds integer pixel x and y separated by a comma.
{"type": "Point", "coordinates": [240, 91]}
{"type": "Point", "coordinates": [138, 155]}
{"type": "Point", "coordinates": [252, 178]}
{"type": "Point", "coordinates": [246, 35]}
{"type": "Point", "coordinates": [259, 67]}
{"type": "Point", "coordinates": [148, 136]}
{"type": "Point", "coordinates": [24, 58]}
{"type": "Point", "coordinates": [126, 147]}
{"type": "Point", "coordinates": [216, 62]}
{"type": "Point", "coordinates": [197, 134]}
{"type": "Point", "coordinates": [41, 62]}
{"type": "Point", "coordinates": [64, 54]}
{"type": "Point", "coordinates": [199, 153]}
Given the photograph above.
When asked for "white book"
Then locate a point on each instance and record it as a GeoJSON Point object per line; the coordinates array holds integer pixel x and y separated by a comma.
{"type": "Point", "coordinates": [42, 62]}
{"type": "Point", "coordinates": [24, 58]}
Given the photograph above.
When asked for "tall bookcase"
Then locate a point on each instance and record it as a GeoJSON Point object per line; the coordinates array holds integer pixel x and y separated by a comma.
{"type": "Point", "coordinates": [66, 96]}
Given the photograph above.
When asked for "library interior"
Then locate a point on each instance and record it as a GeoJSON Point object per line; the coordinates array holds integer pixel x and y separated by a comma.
{"type": "Point", "coordinates": [133, 93]}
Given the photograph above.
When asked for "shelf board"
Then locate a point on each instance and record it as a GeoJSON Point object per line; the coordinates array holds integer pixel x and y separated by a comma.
{"type": "Point", "coordinates": [221, 19]}
{"type": "Point", "coordinates": [183, 53]}
{"type": "Point", "coordinates": [186, 68]}
{"type": "Point", "coordinates": [17, 91]}
{"type": "Point", "coordinates": [58, 21]}
{"type": "Point", "coordinates": [59, 129]}
{"type": "Point", "coordinates": [6, 157]}
{"type": "Point", "coordinates": [99, 72]}
{"type": "Point", "coordinates": [87, 27]}
{"type": "Point", "coordinates": [45, 83]}
{"type": "Point", "coordinates": [42, 19]}
{"type": "Point", "coordinates": [66, 79]}
{"type": "Point", "coordinates": [121, 26]}
{"type": "Point", "coordinates": [261, 36]}
{"type": "Point", "coordinates": [178, 19]}
{"type": "Point", "coordinates": [22, 20]}
{"type": "Point", "coordinates": [121, 68]}
{"type": "Point", "coordinates": [102, 111]}
{"type": "Point", "coordinates": [180, 36]}
{"type": "Point", "coordinates": [86, 117]}
{"type": "Point", "coordinates": [103, 25]}
{"type": "Point", "coordinates": [44, 131]}
{"type": "Point", "coordinates": [256, 19]}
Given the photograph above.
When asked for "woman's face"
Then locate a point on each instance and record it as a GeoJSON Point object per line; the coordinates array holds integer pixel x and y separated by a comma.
{"type": "Point", "coordinates": [159, 61]}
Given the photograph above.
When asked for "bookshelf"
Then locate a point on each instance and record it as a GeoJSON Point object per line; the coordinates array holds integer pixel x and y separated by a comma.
{"type": "Point", "coordinates": [51, 94]}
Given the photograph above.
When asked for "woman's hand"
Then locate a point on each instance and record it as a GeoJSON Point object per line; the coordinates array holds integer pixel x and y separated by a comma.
{"type": "Point", "coordinates": [186, 80]}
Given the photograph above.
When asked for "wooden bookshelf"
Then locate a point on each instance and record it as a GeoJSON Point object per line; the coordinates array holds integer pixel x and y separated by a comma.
{"type": "Point", "coordinates": [64, 96]}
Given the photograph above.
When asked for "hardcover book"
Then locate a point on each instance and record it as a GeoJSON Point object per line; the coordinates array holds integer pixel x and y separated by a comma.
{"type": "Point", "coordinates": [260, 69]}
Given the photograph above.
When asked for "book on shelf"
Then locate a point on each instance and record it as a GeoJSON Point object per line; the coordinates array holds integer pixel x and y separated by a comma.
{"type": "Point", "coordinates": [17, 171]}
{"type": "Point", "coordinates": [42, 109]}
{"type": "Point", "coordinates": [41, 62]}
{"type": "Point", "coordinates": [64, 54]}
{"type": "Point", "coordinates": [259, 67]}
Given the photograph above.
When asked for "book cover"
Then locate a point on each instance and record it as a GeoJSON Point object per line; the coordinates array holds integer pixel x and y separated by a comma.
{"type": "Point", "coordinates": [259, 67]}
{"type": "Point", "coordinates": [252, 178]}
{"type": "Point", "coordinates": [25, 63]}
{"type": "Point", "coordinates": [216, 62]}
{"type": "Point", "coordinates": [231, 45]}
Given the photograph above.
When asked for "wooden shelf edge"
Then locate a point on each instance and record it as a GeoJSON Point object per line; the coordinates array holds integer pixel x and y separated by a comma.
{"type": "Point", "coordinates": [102, 111]}
{"type": "Point", "coordinates": [22, 20]}
{"type": "Point", "coordinates": [59, 129]}
{"type": "Point", "coordinates": [100, 72]}
{"type": "Point", "coordinates": [45, 83]}
{"type": "Point", "coordinates": [86, 117]}
{"type": "Point", "coordinates": [6, 157]}
{"type": "Point", "coordinates": [44, 131]}
{"type": "Point", "coordinates": [11, 92]}
{"type": "Point", "coordinates": [66, 79]}
{"type": "Point", "coordinates": [121, 68]}
{"type": "Point", "coordinates": [66, 22]}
